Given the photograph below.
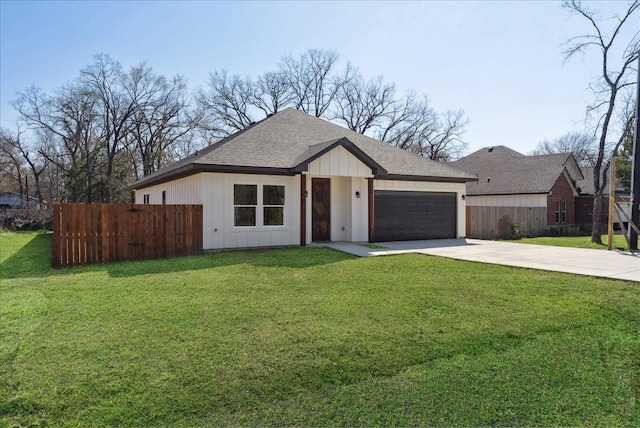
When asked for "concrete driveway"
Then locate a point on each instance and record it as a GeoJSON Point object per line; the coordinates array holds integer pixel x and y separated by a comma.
{"type": "Point", "coordinates": [601, 263]}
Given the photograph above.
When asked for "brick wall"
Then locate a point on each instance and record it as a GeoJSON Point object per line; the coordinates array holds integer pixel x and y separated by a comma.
{"type": "Point", "coordinates": [561, 191]}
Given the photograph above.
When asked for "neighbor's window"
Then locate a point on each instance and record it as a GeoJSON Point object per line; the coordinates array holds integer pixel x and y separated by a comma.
{"type": "Point", "coordinates": [145, 199]}
{"type": "Point", "coordinates": [245, 201]}
{"type": "Point", "coordinates": [164, 197]}
{"type": "Point", "coordinates": [561, 212]}
{"type": "Point", "coordinates": [273, 205]}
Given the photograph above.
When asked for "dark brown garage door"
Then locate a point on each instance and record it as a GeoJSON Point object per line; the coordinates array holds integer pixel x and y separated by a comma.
{"type": "Point", "coordinates": [405, 216]}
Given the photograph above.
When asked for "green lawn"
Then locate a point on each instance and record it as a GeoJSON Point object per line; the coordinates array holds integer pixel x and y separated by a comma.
{"type": "Point", "coordinates": [311, 337]}
{"type": "Point", "coordinates": [619, 242]}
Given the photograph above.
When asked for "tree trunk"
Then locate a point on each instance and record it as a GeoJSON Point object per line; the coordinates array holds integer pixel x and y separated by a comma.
{"type": "Point", "coordinates": [596, 226]}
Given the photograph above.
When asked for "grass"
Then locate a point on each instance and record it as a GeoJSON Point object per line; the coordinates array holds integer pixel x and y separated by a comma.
{"type": "Point", "coordinates": [311, 337]}
{"type": "Point", "coordinates": [373, 246]}
{"type": "Point", "coordinates": [619, 242]}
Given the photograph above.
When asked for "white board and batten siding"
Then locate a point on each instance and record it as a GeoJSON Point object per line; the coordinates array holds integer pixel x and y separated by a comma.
{"type": "Point", "coordinates": [218, 210]}
{"type": "Point", "coordinates": [339, 162]}
{"type": "Point", "coordinates": [184, 190]}
{"type": "Point", "coordinates": [349, 198]}
{"type": "Point", "coordinates": [426, 186]}
{"type": "Point", "coordinates": [214, 191]}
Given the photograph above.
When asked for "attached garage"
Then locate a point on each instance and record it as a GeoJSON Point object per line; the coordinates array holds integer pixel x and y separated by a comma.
{"type": "Point", "coordinates": [407, 215]}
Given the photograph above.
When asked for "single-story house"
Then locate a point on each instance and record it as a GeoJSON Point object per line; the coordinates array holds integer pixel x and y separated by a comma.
{"type": "Point", "coordinates": [14, 200]}
{"type": "Point", "coordinates": [520, 195]}
{"type": "Point", "coordinates": [10, 200]}
{"type": "Point", "coordinates": [293, 179]}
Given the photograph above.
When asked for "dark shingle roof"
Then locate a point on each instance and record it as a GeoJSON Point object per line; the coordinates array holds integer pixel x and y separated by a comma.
{"type": "Point", "coordinates": [586, 185]}
{"type": "Point", "coordinates": [502, 171]}
{"type": "Point", "coordinates": [283, 142]}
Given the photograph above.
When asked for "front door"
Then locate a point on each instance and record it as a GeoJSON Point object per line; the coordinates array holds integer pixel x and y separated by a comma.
{"type": "Point", "coordinates": [320, 209]}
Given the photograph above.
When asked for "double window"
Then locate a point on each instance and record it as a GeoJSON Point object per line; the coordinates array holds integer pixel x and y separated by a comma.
{"type": "Point", "coordinates": [251, 200]}
{"type": "Point", "coordinates": [145, 199]}
{"type": "Point", "coordinates": [561, 211]}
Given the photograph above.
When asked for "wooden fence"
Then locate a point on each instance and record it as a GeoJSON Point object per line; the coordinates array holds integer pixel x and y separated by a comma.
{"type": "Point", "coordinates": [502, 222]}
{"type": "Point", "coordinates": [100, 233]}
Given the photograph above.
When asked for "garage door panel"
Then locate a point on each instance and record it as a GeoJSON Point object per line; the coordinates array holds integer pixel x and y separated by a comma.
{"type": "Point", "coordinates": [401, 216]}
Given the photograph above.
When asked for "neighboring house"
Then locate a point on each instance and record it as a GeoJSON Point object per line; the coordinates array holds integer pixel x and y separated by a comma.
{"type": "Point", "coordinates": [14, 200]}
{"type": "Point", "coordinates": [10, 200]}
{"type": "Point", "coordinates": [293, 179]}
{"type": "Point", "coordinates": [520, 195]}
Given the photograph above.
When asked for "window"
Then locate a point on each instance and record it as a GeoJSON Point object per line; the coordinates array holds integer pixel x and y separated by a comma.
{"type": "Point", "coordinates": [273, 205]}
{"type": "Point", "coordinates": [145, 199]}
{"type": "Point", "coordinates": [245, 201]}
{"type": "Point", "coordinates": [258, 205]}
{"type": "Point", "coordinates": [164, 197]}
{"type": "Point", "coordinates": [561, 211]}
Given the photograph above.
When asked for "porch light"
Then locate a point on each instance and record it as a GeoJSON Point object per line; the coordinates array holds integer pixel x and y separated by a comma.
{"type": "Point", "coordinates": [464, 197]}
{"type": "Point", "coordinates": [357, 194]}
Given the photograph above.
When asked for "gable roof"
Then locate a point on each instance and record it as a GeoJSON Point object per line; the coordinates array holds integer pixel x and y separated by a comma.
{"type": "Point", "coordinates": [586, 185]}
{"type": "Point", "coordinates": [286, 142]}
{"type": "Point", "coordinates": [503, 171]}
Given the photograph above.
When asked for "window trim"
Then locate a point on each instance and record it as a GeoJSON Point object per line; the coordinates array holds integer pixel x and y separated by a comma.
{"type": "Point", "coordinates": [255, 207]}
{"type": "Point", "coordinates": [561, 212]}
{"type": "Point", "coordinates": [260, 206]}
{"type": "Point", "coordinates": [264, 206]}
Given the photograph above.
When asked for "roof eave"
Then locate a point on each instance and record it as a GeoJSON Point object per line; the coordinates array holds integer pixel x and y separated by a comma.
{"type": "Point", "coordinates": [403, 177]}
{"type": "Point", "coordinates": [192, 169]}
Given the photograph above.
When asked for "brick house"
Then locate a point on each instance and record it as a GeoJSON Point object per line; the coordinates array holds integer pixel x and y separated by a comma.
{"type": "Point", "coordinates": [521, 195]}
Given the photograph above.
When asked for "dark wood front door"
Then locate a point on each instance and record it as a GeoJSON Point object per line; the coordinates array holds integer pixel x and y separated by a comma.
{"type": "Point", "coordinates": [320, 209]}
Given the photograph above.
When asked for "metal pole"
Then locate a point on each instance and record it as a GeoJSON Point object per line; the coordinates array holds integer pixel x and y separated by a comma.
{"type": "Point", "coordinates": [635, 170]}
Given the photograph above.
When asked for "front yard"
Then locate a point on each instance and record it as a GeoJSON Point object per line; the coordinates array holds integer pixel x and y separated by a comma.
{"type": "Point", "coordinates": [311, 337]}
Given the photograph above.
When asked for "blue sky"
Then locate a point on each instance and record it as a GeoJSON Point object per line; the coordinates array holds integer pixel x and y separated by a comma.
{"type": "Point", "coordinates": [499, 61]}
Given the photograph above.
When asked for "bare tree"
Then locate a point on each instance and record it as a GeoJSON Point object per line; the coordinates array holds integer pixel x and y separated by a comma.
{"type": "Point", "coordinates": [271, 92]}
{"type": "Point", "coordinates": [443, 142]}
{"type": "Point", "coordinates": [65, 124]}
{"type": "Point", "coordinates": [34, 160]}
{"type": "Point", "coordinates": [312, 82]}
{"type": "Point", "coordinates": [582, 145]}
{"type": "Point", "coordinates": [362, 105]}
{"type": "Point", "coordinates": [94, 128]}
{"type": "Point", "coordinates": [160, 118]}
{"type": "Point", "coordinates": [11, 165]}
{"type": "Point", "coordinates": [408, 118]}
{"type": "Point", "coordinates": [226, 104]}
{"type": "Point", "coordinates": [612, 80]}
{"type": "Point", "coordinates": [114, 106]}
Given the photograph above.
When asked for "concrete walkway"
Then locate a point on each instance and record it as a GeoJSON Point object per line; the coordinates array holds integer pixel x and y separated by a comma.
{"type": "Point", "coordinates": [600, 263]}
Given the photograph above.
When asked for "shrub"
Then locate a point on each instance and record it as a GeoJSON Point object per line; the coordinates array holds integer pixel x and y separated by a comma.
{"type": "Point", "coordinates": [26, 218]}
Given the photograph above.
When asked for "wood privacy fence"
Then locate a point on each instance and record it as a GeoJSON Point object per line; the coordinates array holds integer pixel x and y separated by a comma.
{"type": "Point", "coordinates": [100, 233]}
{"type": "Point", "coordinates": [505, 222]}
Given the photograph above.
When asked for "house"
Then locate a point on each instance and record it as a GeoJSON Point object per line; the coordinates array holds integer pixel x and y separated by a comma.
{"type": "Point", "coordinates": [10, 200]}
{"type": "Point", "coordinates": [14, 200]}
{"type": "Point", "coordinates": [520, 195]}
{"type": "Point", "coordinates": [293, 179]}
